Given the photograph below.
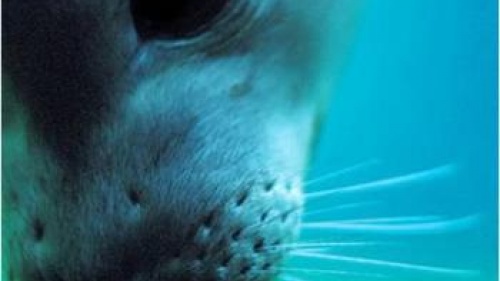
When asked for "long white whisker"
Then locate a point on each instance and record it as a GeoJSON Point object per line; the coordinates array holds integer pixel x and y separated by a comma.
{"type": "Point", "coordinates": [394, 220]}
{"type": "Point", "coordinates": [416, 177]}
{"type": "Point", "coordinates": [286, 277]}
{"type": "Point", "coordinates": [422, 228]}
{"type": "Point", "coordinates": [331, 272]}
{"type": "Point", "coordinates": [324, 245]}
{"type": "Point", "coordinates": [341, 172]}
{"type": "Point", "coordinates": [340, 207]}
{"type": "Point", "coordinates": [389, 264]}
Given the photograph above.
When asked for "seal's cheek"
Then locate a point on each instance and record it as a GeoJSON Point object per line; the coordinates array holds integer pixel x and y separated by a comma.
{"type": "Point", "coordinates": [172, 188]}
{"type": "Point", "coordinates": [178, 221]}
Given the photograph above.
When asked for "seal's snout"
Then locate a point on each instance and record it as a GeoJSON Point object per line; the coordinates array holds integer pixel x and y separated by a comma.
{"type": "Point", "coordinates": [155, 140]}
{"type": "Point", "coordinates": [244, 239]}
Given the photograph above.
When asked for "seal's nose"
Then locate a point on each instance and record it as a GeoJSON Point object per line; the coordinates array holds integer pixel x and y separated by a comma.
{"type": "Point", "coordinates": [244, 239]}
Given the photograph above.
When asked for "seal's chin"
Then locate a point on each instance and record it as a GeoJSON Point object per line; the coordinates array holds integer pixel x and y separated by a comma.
{"type": "Point", "coordinates": [244, 239]}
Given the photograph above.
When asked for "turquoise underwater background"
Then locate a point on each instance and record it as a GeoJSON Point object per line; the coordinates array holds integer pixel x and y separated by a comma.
{"type": "Point", "coordinates": [410, 150]}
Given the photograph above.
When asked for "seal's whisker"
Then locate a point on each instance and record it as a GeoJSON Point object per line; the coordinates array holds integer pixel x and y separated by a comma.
{"type": "Point", "coordinates": [393, 220]}
{"type": "Point", "coordinates": [331, 272]}
{"type": "Point", "coordinates": [388, 264]}
{"type": "Point", "coordinates": [418, 228]}
{"type": "Point", "coordinates": [416, 177]}
{"type": "Point", "coordinates": [339, 207]}
{"type": "Point", "coordinates": [320, 245]}
{"type": "Point", "coordinates": [287, 277]}
{"type": "Point", "coordinates": [336, 171]}
{"type": "Point", "coordinates": [343, 171]}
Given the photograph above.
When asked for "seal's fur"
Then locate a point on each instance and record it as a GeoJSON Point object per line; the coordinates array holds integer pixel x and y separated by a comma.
{"type": "Point", "coordinates": [130, 158]}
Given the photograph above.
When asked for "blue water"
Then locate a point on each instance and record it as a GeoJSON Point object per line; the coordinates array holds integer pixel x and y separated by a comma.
{"type": "Point", "coordinates": [418, 93]}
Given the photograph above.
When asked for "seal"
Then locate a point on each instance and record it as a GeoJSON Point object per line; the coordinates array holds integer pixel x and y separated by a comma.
{"type": "Point", "coordinates": [160, 140]}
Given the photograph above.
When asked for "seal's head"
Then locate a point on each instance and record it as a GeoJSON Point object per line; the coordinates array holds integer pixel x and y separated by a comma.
{"type": "Point", "coordinates": [160, 140]}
